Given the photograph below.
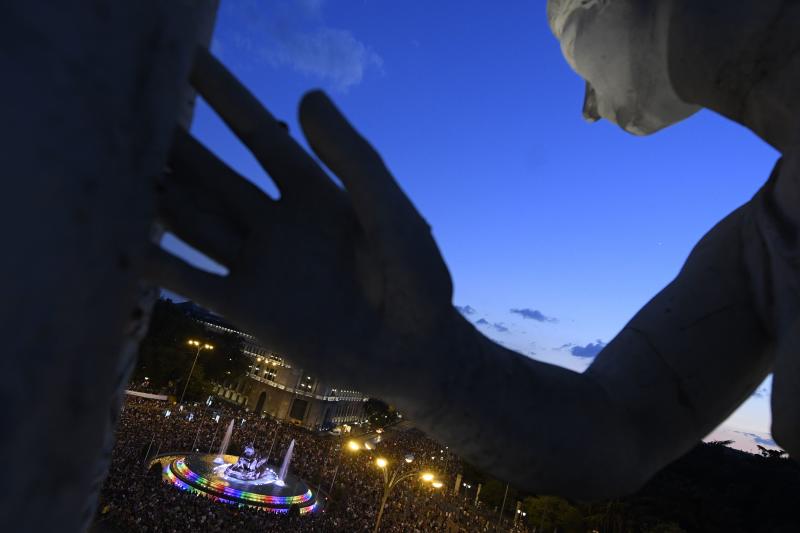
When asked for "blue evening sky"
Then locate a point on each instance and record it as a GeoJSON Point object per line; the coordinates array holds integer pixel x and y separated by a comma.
{"type": "Point", "coordinates": [478, 116]}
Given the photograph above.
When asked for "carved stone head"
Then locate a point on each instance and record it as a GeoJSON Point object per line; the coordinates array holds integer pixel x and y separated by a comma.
{"type": "Point", "coordinates": [620, 48]}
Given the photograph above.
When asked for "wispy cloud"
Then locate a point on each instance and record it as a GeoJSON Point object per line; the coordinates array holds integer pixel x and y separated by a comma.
{"type": "Point", "coordinates": [564, 347]}
{"type": "Point", "coordinates": [330, 54]}
{"type": "Point", "coordinates": [533, 314]}
{"type": "Point", "coordinates": [588, 351]}
{"type": "Point", "coordinates": [497, 326]}
{"type": "Point", "coordinates": [758, 439]}
{"type": "Point", "coordinates": [294, 34]}
{"type": "Point", "coordinates": [466, 309]}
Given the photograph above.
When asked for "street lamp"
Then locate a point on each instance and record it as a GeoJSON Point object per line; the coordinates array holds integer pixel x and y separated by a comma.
{"type": "Point", "coordinates": [353, 446]}
{"type": "Point", "coordinates": [391, 480]}
{"type": "Point", "coordinates": [200, 346]}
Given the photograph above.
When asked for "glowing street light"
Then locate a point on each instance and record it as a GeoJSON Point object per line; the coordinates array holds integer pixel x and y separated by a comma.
{"type": "Point", "coordinates": [200, 346]}
{"type": "Point", "coordinates": [390, 480]}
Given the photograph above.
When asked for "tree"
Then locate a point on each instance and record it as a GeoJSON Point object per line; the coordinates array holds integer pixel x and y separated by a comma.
{"type": "Point", "coordinates": [164, 356]}
{"type": "Point", "coordinates": [666, 527]}
{"type": "Point", "coordinates": [549, 513]}
{"type": "Point", "coordinates": [770, 453]}
{"type": "Point", "coordinates": [724, 443]}
{"type": "Point", "coordinates": [379, 413]}
{"type": "Point", "coordinates": [166, 359]}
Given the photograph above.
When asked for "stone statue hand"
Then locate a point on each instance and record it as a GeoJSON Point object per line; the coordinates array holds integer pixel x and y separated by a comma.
{"type": "Point", "coordinates": [340, 279]}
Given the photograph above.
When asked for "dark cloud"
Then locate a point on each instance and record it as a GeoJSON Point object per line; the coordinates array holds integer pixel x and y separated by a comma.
{"type": "Point", "coordinates": [533, 314]}
{"type": "Point", "coordinates": [761, 392]}
{"type": "Point", "coordinates": [482, 322]}
{"type": "Point", "coordinates": [498, 326]}
{"type": "Point", "coordinates": [466, 309]}
{"type": "Point", "coordinates": [588, 351]}
{"type": "Point", "coordinates": [564, 346]}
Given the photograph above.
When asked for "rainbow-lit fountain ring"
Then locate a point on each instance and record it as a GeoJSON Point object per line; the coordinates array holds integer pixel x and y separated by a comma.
{"type": "Point", "coordinates": [198, 473]}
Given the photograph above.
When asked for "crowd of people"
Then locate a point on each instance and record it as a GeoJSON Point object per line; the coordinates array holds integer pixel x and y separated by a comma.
{"type": "Point", "coordinates": [347, 482]}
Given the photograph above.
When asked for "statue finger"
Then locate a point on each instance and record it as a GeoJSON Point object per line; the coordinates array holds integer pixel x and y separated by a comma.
{"type": "Point", "coordinates": [201, 220]}
{"type": "Point", "coordinates": [196, 168]}
{"type": "Point", "coordinates": [390, 220]}
{"type": "Point", "coordinates": [296, 174]}
{"type": "Point", "coordinates": [382, 207]}
{"type": "Point", "coordinates": [170, 272]}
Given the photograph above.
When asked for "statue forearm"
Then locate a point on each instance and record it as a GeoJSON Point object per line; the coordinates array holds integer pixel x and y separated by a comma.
{"type": "Point", "coordinates": [684, 362]}
{"type": "Point", "coordinates": [539, 426]}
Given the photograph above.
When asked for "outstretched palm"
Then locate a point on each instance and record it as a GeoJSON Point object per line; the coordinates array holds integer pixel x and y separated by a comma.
{"type": "Point", "coordinates": [344, 280]}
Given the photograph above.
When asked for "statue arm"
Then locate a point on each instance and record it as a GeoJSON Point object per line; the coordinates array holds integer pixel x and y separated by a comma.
{"type": "Point", "coordinates": [675, 372]}
{"type": "Point", "coordinates": [382, 316]}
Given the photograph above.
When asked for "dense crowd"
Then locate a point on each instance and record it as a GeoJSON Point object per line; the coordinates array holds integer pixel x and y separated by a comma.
{"type": "Point", "coordinates": [135, 499]}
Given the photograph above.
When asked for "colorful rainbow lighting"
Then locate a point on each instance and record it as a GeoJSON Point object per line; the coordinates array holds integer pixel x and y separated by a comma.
{"type": "Point", "coordinates": [221, 491]}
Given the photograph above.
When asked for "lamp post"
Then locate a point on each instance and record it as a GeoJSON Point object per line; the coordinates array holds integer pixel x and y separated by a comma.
{"type": "Point", "coordinates": [353, 446]}
{"type": "Point", "coordinates": [466, 486]}
{"type": "Point", "coordinates": [200, 346]}
{"type": "Point", "coordinates": [502, 508]}
{"type": "Point", "coordinates": [519, 515]}
{"type": "Point", "coordinates": [200, 423]}
{"type": "Point", "coordinates": [391, 480]}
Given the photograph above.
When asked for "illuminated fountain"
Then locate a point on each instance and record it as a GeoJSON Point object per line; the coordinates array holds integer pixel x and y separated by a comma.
{"type": "Point", "coordinates": [244, 480]}
{"type": "Point", "coordinates": [226, 440]}
{"type": "Point", "coordinates": [285, 464]}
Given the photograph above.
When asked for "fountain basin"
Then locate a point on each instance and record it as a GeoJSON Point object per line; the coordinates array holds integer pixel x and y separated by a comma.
{"type": "Point", "coordinates": [200, 474]}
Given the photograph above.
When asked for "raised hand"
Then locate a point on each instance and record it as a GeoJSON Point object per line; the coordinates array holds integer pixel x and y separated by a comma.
{"type": "Point", "coordinates": [348, 281]}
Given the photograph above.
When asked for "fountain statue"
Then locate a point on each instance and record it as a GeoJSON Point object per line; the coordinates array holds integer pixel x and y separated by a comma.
{"type": "Point", "coordinates": [224, 445]}
{"type": "Point", "coordinates": [244, 480]}
{"type": "Point", "coordinates": [250, 466]}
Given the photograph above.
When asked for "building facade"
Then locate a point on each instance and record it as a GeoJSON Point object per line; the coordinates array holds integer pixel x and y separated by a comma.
{"type": "Point", "coordinates": [275, 387]}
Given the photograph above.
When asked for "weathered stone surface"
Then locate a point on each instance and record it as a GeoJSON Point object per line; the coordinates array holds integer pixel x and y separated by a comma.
{"type": "Point", "coordinates": [355, 283]}
{"type": "Point", "coordinates": [358, 288]}
{"type": "Point", "coordinates": [91, 94]}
